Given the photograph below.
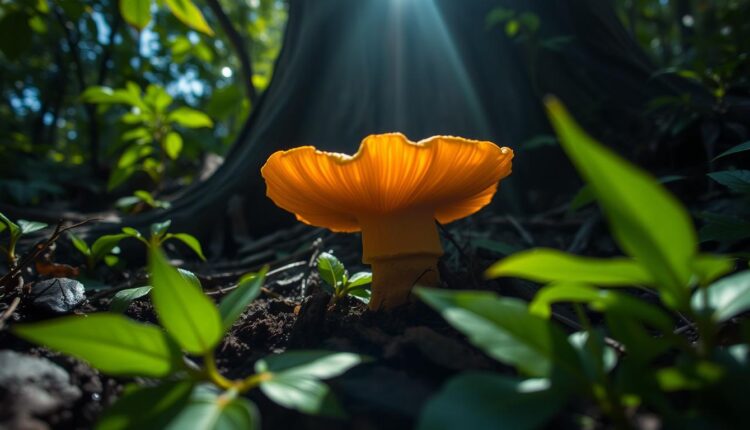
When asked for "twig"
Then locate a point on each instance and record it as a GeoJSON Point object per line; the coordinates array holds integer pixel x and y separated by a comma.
{"type": "Point", "coordinates": [270, 273]}
{"type": "Point", "coordinates": [39, 249]}
{"type": "Point", "coordinates": [8, 312]}
{"type": "Point", "coordinates": [525, 235]}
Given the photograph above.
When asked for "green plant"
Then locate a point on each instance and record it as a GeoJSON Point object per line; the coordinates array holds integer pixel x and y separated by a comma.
{"type": "Point", "coordinates": [153, 138]}
{"type": "Point", "coordinates": [189, 394]}
{"type": "Point", "coordinates": [15, 231]}
{"type": "Point", "coordinates": [635, 358]}
{"type": "Point", "coordinates": [138, 202]}
{"type": "Point", "coordinates": [159, 235]}
{"type": "Point", "coordinates": [103, 248]}
{"type": "Point", "coordinates": [338, 281]}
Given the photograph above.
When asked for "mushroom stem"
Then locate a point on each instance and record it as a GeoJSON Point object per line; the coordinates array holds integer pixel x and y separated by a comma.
{"type": "Point", "coordinates": [393, 278]}
{"type": "Point", "coordinates": [403, 249]}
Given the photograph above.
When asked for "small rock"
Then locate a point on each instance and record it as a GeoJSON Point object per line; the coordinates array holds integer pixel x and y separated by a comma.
{"type": "Point", "coordinates": [58, 295]}
{"type": "Point", "coordinates": [32, 387]}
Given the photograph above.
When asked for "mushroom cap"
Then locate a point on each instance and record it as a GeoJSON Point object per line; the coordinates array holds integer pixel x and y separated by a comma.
{"type": "Point", "coordinates": [452, 176]}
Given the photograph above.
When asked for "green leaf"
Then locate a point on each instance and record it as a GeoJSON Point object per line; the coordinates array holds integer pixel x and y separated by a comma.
{"type": "Point", "coordinates": [585, 195]}
{"type": "Point", "coordinates": [187, 314]}
{"type": "Point", "coordinates": [208, 409]}
{"type": "Point", "coordinates": [734, 150]}
{"type": "Point", "coordinates": [146, 408]}
{"type": "Point", "coordinates": [600, 300]}
{"type": "Point", "coordinates": [232, 306]}
{"type": "Point", "coordinates": [109, 342]}
{"type": "Point", "coordinates": [362, 294]}
{"type": "Point", "coordinates": [727, 297]}
{"type": "Point", "coordinates": [136, 12]}
{"type": "Point", "coordinates": [295, 379]}
{"type": "Point", "coordinates": [79, 244]}
{"type": "Point", "coordinates": [130, 231]}
{"type": "Point", "coordinates": [647, 221]}
{"type": "Point", "coordinates": [709, 267]}
{"type": "Point", "coordinates": [551, 265]}
{"type": "Point", "coordinates": [331, 270]}
{"type": "Point", "coordinates": [30, 226]}
{"type": "Point", "coordinates": [159, 228]}
{"type": "Point", "coordinates": [119, 176]}
{"type": "Point", "coordinates": [124, 298]}
{"type": "Point", "coordinates": [145, 197]}
{"type": "Point", "coordinates": [359, 279]}
{"type": "Point", "coordinates": [190, 118]}
{"type": "Point", "coordinates": [190, 15]}
{"type": "Point", "coordinates": [105, 244]}
{"type": "Point", "coordinates": [504, 329]}
{"type": "Point", "coordinates": [13, 229]}
{"type": "Point", "coordinates": [736, 180]}
{"type": "Point", "coordinates": [173, 145]}
{"type": "Point", "coordinates": [189, 240]}
{"type": "Point", "coordinates": [483, 400]}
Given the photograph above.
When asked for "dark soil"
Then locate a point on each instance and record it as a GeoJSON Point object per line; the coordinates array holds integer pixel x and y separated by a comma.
{"type": "Point", "coordinates": [412, 350]}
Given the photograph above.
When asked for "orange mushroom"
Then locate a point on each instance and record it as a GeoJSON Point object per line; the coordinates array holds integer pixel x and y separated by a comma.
{"type": "Point", "coordinates": [392, 190]}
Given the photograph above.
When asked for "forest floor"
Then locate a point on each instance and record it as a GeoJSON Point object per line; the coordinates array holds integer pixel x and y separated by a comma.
{"type": "Point", "coordinates": [413, 350]}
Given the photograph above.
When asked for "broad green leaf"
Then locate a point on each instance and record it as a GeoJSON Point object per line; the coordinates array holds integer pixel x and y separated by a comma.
{"type": "Point", "coordinates": [483, 400]}
{"type": "Point", "coordinates": [331, 270]}
{"type": "Point", "coordinates": [359, 279]}
{"type": "Point", "coordinates": [190, 15]}
{"type": "Point", "coordinates": [105, 95]}
{"type": "Point", "coordinates": [504, 329]}
{"type": "Point", "coordinates": [119, 176]}
{"type": "Point", "coordinates": [726, 297]}
{"type": "Point", "coordinates": [363, 294]}
{"type": "Point", "coordinates": [734, 150]}
{"type": "Point", "coordinates": [585, 195]}
{"type": "Point", "coordinates": [136, 12]}
{"type": "Point", "coordinates": [159, 228]}
{"type": "Point", "coordinates": [158, 98]}
{"type": "Point", "coordinates": [105, 244]}
{"type": "Point", "coordinates": [123, 299]}
{"type": "Point", "coordinates": [736, 180]}
{"type": "Point", "coordinates": [187, 314]}
{"type": "Point", "coordinates": [295, 379]}
{"type": "Point", "coordinates": [232, 306]}
{"type": "Point", "coordinates": [30, 226]}
{"type": "Point", "coordinates": [112, 343]}
{"type": "Point", "coordinates": [189, 240]}
{"type": "Point", "coordinates": [551, 265]}
{"type": "Point", "coordinates": [145, 197]}
{"type": "Point", "coordinates": [13, 228]}
{"type": "Point", "coordinates": [147, 408]}
{"type": "Point", "coordinates": [173, 145]}
{"type": "Point", "coordinates": [309, 364]}
{"type": "Point", "coordinates": [80, 244]}
{"type": "Point", "coordinates": [647, 221]}
{"type": "Point", "coordinates": [130, 231]}
{"type": "Point", "coordinates": [599, 300]}
{"type": "Point", "coordinates": [709, 267]}
{"type": "Point", "coordinates": [190, 118]}
{"type": "Point", "coordinates": [208, 409]}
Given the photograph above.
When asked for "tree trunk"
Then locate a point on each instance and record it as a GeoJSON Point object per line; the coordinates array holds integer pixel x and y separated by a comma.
{"type": "Point", "coordinates": [425, 67]}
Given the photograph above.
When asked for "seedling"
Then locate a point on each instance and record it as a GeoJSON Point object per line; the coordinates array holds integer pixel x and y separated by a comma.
{"type": "Point", "coordinates": [15, 231]}
{"type": "Point", "coordinates": [338, 281]}
{"type": "Point", "coordinates": [140, 200]}
{"type": "Point", "coordinates": [159, 235]}
{"type": "Point", "coordinates": [189, 391]}
{"type": "Point", "coordinates": [103, 248]}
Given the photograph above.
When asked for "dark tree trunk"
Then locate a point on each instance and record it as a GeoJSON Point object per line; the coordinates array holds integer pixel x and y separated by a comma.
{"type": "Point", "coordinates": [425, 67]}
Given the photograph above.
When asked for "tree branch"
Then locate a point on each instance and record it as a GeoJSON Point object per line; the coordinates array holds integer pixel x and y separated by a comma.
{"type": "Point", "coordinates": [239, 46]}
